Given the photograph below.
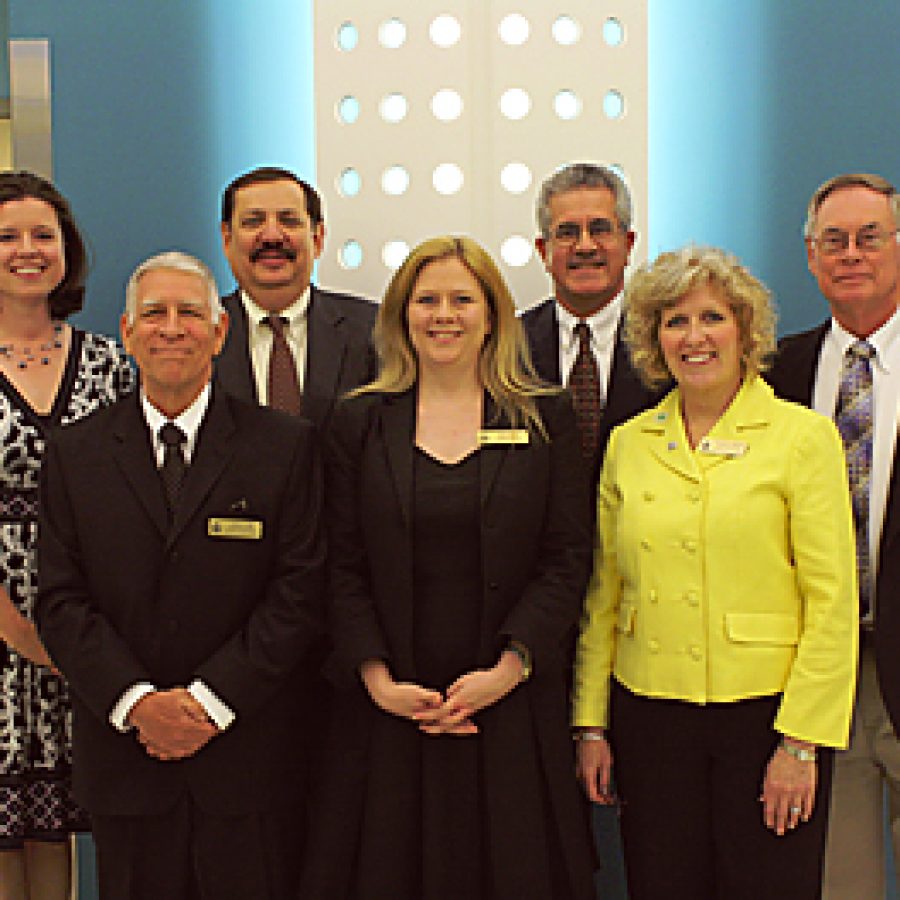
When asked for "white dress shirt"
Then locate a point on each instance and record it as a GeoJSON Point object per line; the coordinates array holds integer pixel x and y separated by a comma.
{"type": "Point", "coordinates": [189, 422]}
{"type": "Point", "coordinates": [603, 325]}
{"type": "Point", "coordinates": [260, 339]}
{"type": "Point", "coordinates": [886, 410]}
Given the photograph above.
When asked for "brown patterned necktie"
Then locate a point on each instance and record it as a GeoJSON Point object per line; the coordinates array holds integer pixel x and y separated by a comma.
{"type": "Point", "coordinates": [173, 466]}
{"type": "Point", "coordinates": [584, 383]}
{"type": "Point", "coordinates": [284, 386]}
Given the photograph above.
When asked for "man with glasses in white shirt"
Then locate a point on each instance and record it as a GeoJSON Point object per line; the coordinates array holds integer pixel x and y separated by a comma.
{"type": "Point", "coordinates": [848, 368]}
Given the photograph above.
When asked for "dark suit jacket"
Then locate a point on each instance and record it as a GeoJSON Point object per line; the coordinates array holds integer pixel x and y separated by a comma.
{"type": "Point", "coordinates": [626, 394]}
{"type": "Point", "coordinates": [536, 546]}
{"type": "Point", "coordinates": [125, 598]}
{"type": "Point", "coordinates": [339, 353]}
{"type": "Point", "coordinates": [793, 376]}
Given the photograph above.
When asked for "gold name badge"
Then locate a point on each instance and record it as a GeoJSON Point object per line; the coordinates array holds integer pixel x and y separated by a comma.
{"type": "Point", "coordinates": [236, 529]}
{"type": "Point", "coordinates": [502, 436]}
{"type": "Point", "coordinates": [723, 448]}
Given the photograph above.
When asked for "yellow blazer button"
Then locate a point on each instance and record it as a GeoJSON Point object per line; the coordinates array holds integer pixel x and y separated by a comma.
{"type": "Point", "coordinates": [689, 545]}
{"type": "Point", "coordinates": [694, 496]}
{"type": "Point", "coordinates": [654, 597]}
{"type": "Point", "coordinates": [649, 495]}
{"type": "Point", "coordinates": [696, 652]}
{"type": "Point", "coordinates": [645, 544]}
{"type": "Point", "coordinates": [692, 598]}
{"type": "Point", "coordinates": [653, 645]}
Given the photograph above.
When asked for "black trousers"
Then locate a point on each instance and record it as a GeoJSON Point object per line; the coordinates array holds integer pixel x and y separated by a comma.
{"type": "Point", "coordinates": [186, 854]}
{"type": "Point", "coordinates": [689, 780]}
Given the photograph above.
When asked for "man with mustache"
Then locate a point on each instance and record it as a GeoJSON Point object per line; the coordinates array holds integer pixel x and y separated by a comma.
{"type": "Point", "coordinates": [848, 368]}
{"type": "Point", "coordinates": [291, 344]}
{"type": "Point", "coordinates": [584, 220]}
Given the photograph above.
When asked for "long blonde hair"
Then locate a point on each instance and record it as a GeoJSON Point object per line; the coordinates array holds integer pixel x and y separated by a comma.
{"type": "Point", "coordinates": [505, 367]}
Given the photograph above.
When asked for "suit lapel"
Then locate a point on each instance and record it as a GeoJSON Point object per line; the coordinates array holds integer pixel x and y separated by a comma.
{"type": "Point", "coordinates": [398, 417]}
{"type": "Point", "coordinates": [133, 454]}
{"type": "Point", "coordinates": [326, 347]}
{"type": "Point", "coordinates": [234, 370]}
{"type": "Point", "coordinates": [211, 454]}
{"type": "Point", "coordinates": [545, 343]}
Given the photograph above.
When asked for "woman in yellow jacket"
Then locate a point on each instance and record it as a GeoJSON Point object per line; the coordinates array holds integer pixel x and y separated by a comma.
{"type": "Point", "coordinates": [720, 636]}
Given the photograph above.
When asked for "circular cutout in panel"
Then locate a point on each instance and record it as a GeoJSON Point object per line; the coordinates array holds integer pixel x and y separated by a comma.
{"type": "Point", "coordinates": [613, 32]}
{"type": "Point", "coordinates": [392, 34]}
{"type": "Point", "coordinates": [613, 105]}
{"type": "Point", "coordinates": [394, 252]}
{"type": "Point", "coordinates": [395, 181]}
{"type": "Point", "coordinates": [348, 110]}
{"type": "Point", "coordinates": [567, 105]}
{"type": "Point", "coordinates": [514, 29]}
{"type": "Point", "coordinates": [394, 108]}
{"type": "Point", "coordinates": [516, 251]}
{"type": "Point", "coordinates": [350, 255]}
{"type": "Point", "coordinates": [447, 179]}
{"type": "Point", "coordinates": [566, 31]}
{"type": "Point", "coordinates": [445, 31]}
{"type": "Point", "coordinates": [349, 183]}
{"type": "Point", "coordinates": [515, 103]}
{"type": "Point", "coordinates": [446, 105]}
{"type": "Point", "coordinates": [515, 177]}
{"type": "Point", "coordinates": [347, 36]}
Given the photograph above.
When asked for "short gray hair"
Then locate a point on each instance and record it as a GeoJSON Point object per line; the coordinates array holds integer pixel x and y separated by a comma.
{"type": "Point", "coordinates": [582, 175]}
{"type": "Point", "coordinates": [175, 261]}
{"type": "Point", "coordinates": [854, 179]}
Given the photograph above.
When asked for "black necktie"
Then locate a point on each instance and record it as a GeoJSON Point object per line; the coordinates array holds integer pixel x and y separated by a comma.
{"type": "Point", "coordinates": [284, 386]}
{"type": "Point", "coordinates": [173, 467]}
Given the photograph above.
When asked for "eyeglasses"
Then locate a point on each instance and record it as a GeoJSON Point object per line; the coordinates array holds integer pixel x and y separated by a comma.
{"type": "Point", "coordinates": [600, 231]}
{"type": "Point", "coordinates": [867, 240]}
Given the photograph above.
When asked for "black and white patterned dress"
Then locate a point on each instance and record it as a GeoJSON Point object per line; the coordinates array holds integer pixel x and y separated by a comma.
{"type": "Point", "coordinates": [35, 718]}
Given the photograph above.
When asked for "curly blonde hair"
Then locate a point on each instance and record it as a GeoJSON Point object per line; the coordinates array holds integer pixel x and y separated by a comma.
{"type": "Point", "coordinates": [661, 284]}
{"type": "Point", "coordinates": [505, 366]}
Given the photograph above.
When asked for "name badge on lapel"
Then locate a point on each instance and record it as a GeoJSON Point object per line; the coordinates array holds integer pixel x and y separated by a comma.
{"type": "Point", "coordinates": [234, 529]}
{"type": "Point", "coordinates": [731, 449]}
{"type": "Point", "coordinates": [502, 436]}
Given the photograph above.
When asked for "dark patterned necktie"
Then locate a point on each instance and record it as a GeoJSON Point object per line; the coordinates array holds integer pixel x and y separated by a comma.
{"type": "Point", "coordinates": [174, 466]}
{"type": "Point", "coordinates": [284, 386]}
{"type": "Point", "coordinates": [853, 417]}
{"type": "Point", "coordinates": [584, 383]}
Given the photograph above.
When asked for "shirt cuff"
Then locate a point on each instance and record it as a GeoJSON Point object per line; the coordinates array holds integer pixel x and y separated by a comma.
{"type": "Point", "coordinates": [118, 716]}
{"type": "Point", "coordinates": [221, 715]}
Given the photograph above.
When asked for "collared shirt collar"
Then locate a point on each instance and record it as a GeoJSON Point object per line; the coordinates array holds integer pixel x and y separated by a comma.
{"type": "Point", "coordinates": [188, 421]}
{"type": "Point", "coordinates": [603, 323]}
{"type": "Point", "coordinates": [294, 313]}
{"type": "Point", "coordinates": [880, 340]}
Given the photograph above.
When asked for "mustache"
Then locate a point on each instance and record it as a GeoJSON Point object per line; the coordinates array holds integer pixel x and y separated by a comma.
{"type": "Point", "coordinates": [270, 247]}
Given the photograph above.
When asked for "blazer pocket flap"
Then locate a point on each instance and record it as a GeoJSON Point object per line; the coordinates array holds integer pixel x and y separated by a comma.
{"type": "Point", "coordinates": [627, 612]}
{"type": "Point", "coordinates": [762, 628]}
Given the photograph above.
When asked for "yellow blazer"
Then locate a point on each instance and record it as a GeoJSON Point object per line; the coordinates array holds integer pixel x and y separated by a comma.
{"type": "Point", "coordinates": [728, 571]}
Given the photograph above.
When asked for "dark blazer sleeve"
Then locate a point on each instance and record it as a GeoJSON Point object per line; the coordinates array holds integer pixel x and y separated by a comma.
{"type": "Point", "coordinates": [552, 599]}
{"type": "Point", "coordinates": [353, 620]}
{"type": "Point", "coordinates": [253, 663]}
{"type": "Point", "coordinates": [98, 663]}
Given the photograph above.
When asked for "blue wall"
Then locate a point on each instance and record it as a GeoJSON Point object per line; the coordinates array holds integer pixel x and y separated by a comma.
{"type": "Point", "coordinates": [752, 105]}
{"type": "Point", "coordinates": [156, 106]}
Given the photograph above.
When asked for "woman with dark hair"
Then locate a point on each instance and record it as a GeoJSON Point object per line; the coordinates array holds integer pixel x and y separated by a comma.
{"type": "Point", "coordinates": [460, 547]}
{"type": "Point", "coordinates": [50, 374]}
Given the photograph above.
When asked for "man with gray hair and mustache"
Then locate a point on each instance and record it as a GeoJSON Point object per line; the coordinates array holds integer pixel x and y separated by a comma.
{"type": "Point", "coordinates": [181, 559]}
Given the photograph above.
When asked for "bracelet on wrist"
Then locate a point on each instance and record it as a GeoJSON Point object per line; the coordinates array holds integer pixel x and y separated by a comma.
{"type": "Point", "coordinates": [588, 736]}
{"type": "Point", "coordinates": [804, 754]}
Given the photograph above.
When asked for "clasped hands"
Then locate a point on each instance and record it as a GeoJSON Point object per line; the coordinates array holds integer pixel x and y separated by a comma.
{"type": "Point", "coordinates": [171, 724]}
{"type": "Point", "coordinates": [448, 713]}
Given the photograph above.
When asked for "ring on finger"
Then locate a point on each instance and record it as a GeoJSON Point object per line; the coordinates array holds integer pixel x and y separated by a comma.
{"type": "Point", "coordinates": [794, 810]}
